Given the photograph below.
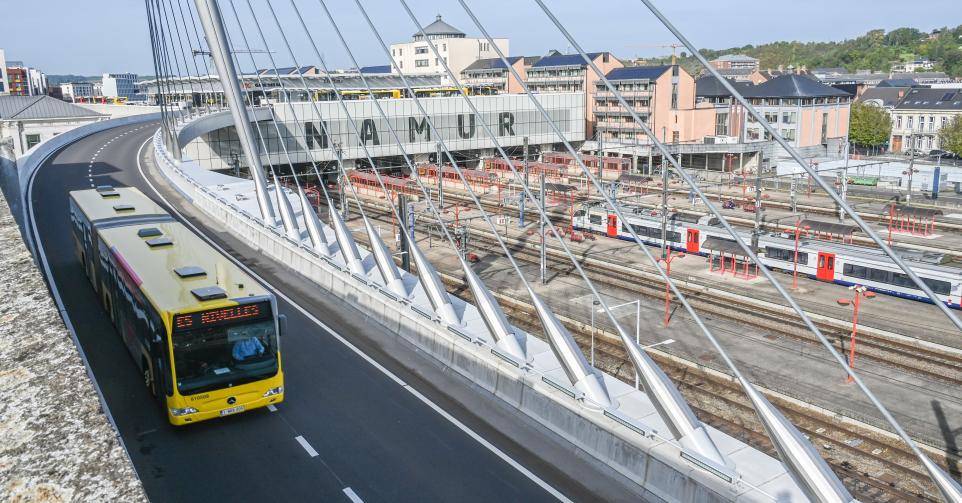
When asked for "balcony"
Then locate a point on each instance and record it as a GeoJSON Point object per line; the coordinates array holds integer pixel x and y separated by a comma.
{"type": "Point", "coordinates": [625, 94]}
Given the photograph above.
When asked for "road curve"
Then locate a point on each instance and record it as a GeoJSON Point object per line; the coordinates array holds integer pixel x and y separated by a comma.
{"type": "Point", "coordinates": [374, 440]}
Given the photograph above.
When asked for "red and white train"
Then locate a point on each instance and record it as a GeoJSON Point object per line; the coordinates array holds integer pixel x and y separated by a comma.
{"type": "Point", "coordinates": [830, 261]}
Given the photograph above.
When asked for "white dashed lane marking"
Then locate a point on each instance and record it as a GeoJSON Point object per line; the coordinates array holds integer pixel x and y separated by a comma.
{"type": "Point", "coordinates": [307, 447]}
{"type": "Point", "coordinates": [351, 495]}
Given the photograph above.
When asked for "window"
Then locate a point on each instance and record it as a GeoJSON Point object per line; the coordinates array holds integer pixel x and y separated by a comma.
{"type": "Point", "coordinates": [444, 47]}
{"type": "Point", "coordinates": [420, 50]}
{"type": "Point", "coordinates": [675, 137]}
{"type": "Point", "coordinates": [400, 52]}
{"type": "Point", "coordinates": [788, 117]}
{"type": "Point", "coordinates": [944, 120]}
{"type": "Point", "coordinates": [921, 122]}
{"type": "Point", "coordinates": [931, 123]}
{"type": "Point", "coordinates": [771, 117]}
{"type": "Point", "coordinates": [786, 255]}
{"type": "Point", "coordinates": [595, 219]}
{"type": "Point", "coordinates": [788, 134]}
{"type": "Point", "coordinates": [910, 122]}
{"type": "Point", "coordinates": [421, 63]}
{"type": "Point", "coordinates": [32, 139]}
{"type": "Point", "coordinates": [898, 122]}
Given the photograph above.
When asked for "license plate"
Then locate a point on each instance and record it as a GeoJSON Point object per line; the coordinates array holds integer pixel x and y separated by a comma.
{"type": "Point", "coordinates": [232, 410]}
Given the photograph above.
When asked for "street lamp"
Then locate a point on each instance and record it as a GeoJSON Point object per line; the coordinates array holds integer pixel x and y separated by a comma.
{"type": "Point", "coordinates": [595, 303]}
{"type": "Point", "coordinates": [860, 291]}
{"type": "Point", "coordinates": [667, 260]}
{"type": "Point", "coordinates": [798, 231]}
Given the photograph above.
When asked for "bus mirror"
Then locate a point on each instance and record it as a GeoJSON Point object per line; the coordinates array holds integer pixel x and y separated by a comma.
{"type": "Point", "coordinates": [282, 323]}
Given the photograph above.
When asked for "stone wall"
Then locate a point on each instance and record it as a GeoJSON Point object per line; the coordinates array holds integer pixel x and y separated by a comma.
{"type": "Point", "coordinates": [56, 444]}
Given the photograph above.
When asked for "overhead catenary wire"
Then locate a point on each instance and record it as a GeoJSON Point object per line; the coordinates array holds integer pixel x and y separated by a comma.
{"type": "Point", "coordinates": [430, 202]}
{"type": "Point", "coordinates": [751, 254]}
{"type": "Point", "coordinates": [743, 381]}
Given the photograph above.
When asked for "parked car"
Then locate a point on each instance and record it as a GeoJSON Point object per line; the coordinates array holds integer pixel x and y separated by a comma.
{"type": "Point", "coordinates": [914, 152]}
{"type": "Point", "coordinates": [944, 154]}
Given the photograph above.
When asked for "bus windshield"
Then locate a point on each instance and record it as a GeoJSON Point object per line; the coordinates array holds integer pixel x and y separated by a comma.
{"type": "Point", "coordinates": [224, 347]}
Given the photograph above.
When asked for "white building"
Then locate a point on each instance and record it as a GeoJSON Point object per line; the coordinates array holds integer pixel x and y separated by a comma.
{"type": "Point", "coordinates": [73, 90]}
{"type": "Point", "coordinates": [36, 81]}
{"type": "Point", "coordinates": [119, 85]}
{"type": "Point", "coordinates": [29, 120]}
{"type": "Point", "coordinates": [917, 65]}
{"type": "Point", "coordinates": [4, 85]}
{"type": "Point", "coordinates": [457, 50]}
{"type": "Point", "coordinates": [920, 115]}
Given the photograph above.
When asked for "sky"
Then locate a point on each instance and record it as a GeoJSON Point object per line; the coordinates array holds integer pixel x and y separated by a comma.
{"type": "Point", "coordinates": [112, 36]}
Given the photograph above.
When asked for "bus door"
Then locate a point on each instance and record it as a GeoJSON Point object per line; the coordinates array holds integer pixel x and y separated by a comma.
{"type": "Point", "coordinates": [692, 241]}
{"type": "Point", "coordinates": [826, 266]}
{"type": "Point", "coordinates": [613, 226]}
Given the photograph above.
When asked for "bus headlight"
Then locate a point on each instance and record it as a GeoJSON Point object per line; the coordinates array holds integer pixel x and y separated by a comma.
{"type": "Point", "coordinates": [183, 412]}
{"type": "Point", "coordinates": [274, 391]}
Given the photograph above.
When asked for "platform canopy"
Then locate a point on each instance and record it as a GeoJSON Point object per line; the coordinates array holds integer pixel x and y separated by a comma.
{"type": "Point", "coordinates": [915, 211]}
{"type": "Point", "coordinates": [828, 227]}
{"type": "Point", "coordinates": [723, 245]}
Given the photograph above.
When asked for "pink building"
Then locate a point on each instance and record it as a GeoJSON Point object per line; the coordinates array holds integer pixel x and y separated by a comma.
{"type": "Point", "coordinates": [568, 73]}
{"type": "Point", "coordinates": [491, 76]}
{"type": "Point", "coordinates": [662, 96]}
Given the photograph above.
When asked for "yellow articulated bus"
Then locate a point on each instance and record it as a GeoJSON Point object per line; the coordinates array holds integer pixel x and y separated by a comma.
{"type": "Point", "coordinates": [203, 333]}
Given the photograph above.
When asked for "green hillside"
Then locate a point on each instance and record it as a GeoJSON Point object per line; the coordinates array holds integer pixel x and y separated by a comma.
{"type": "Point", "coordinates": [875, 50]}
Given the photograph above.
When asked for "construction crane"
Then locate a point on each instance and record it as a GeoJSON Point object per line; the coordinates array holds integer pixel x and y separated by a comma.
{"type": "Point", "coordinates": [674, 59]}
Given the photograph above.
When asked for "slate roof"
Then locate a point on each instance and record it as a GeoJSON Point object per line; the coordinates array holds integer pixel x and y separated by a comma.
{"type": "Point", "coordinates": [888, 96]}
{"type": "Point", "coordinates": [736, 71]}
{"type": "Point", "coordinates": [792, 86]}
{"type": "Point", "coordinates": [897, 83]}
{"type": "Point", "coordinates": [565, 60]}
{"type": "Point", "coordinates": [920, 98]}
{"type": "Point", "coordinates": [439, 27]}
{"type": "Point", "coordinates": [490, 63]}
{"type": "Point", "coordinates": [638, 72]}
{"type": "Point", "coordinates": [709, 87]}
{"type": "Point", "coordinates": [40, 107]}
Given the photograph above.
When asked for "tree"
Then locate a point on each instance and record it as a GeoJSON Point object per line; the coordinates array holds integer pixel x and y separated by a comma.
{"type": "Point", "coordinates": [869, 125]}
{"type": "Point", "coordinates": [950, 136]}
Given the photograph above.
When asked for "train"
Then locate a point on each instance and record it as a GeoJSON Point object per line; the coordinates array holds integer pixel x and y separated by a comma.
{"type": "Point", "coordinates": [830, 261]}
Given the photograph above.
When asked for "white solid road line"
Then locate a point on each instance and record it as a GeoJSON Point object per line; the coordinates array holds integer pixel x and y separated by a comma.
{"type": "Point", "coordinates": [478, 438]}
{"type": "Point", "coordinates": [351, 495]}
{"type": "Point", "coordinates": [307, 447]}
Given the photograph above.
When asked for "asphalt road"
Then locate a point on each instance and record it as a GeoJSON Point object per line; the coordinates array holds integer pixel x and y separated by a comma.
{"type": "Point", "coordinates": [371, 435]}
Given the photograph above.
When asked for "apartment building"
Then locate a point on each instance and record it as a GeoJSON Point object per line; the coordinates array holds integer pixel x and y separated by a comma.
{"type": "Point", "coordinates": [735, 62]}
{"type": "Point", "coordinates": [662, 96]}
{"type": "Point", "coordinates": [919, 116]}
{"type": "Point", "coordinates": [567, 73]}
{"type": "Point", "coordinates": [807, 113]}
{"type": "Point", "coordinates": [491, 75]}
{"type": "Point", "coordinates": [454, 47]}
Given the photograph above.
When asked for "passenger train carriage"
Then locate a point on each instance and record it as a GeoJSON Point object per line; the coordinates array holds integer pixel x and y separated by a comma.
{"type": "Point", "coordinates": [845, 264]}
{"type": "Point", "coordinates": [203, 333]}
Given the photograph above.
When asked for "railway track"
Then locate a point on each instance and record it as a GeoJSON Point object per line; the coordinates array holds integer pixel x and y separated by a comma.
{"type": "Point", "coordinates": [870, 465]}
{"type": "Point", "coordinates": [873, 465]}
{"type": "Point", "coordinates": [560, 218]}
{"type": "Point", "coordinates": [930, 361]}
{"type": "Point", "coordinates": [939, 365]}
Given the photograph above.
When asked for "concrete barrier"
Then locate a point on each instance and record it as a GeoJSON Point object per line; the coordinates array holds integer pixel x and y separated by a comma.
{"type": "Point", "coordinates": [625, 437]}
